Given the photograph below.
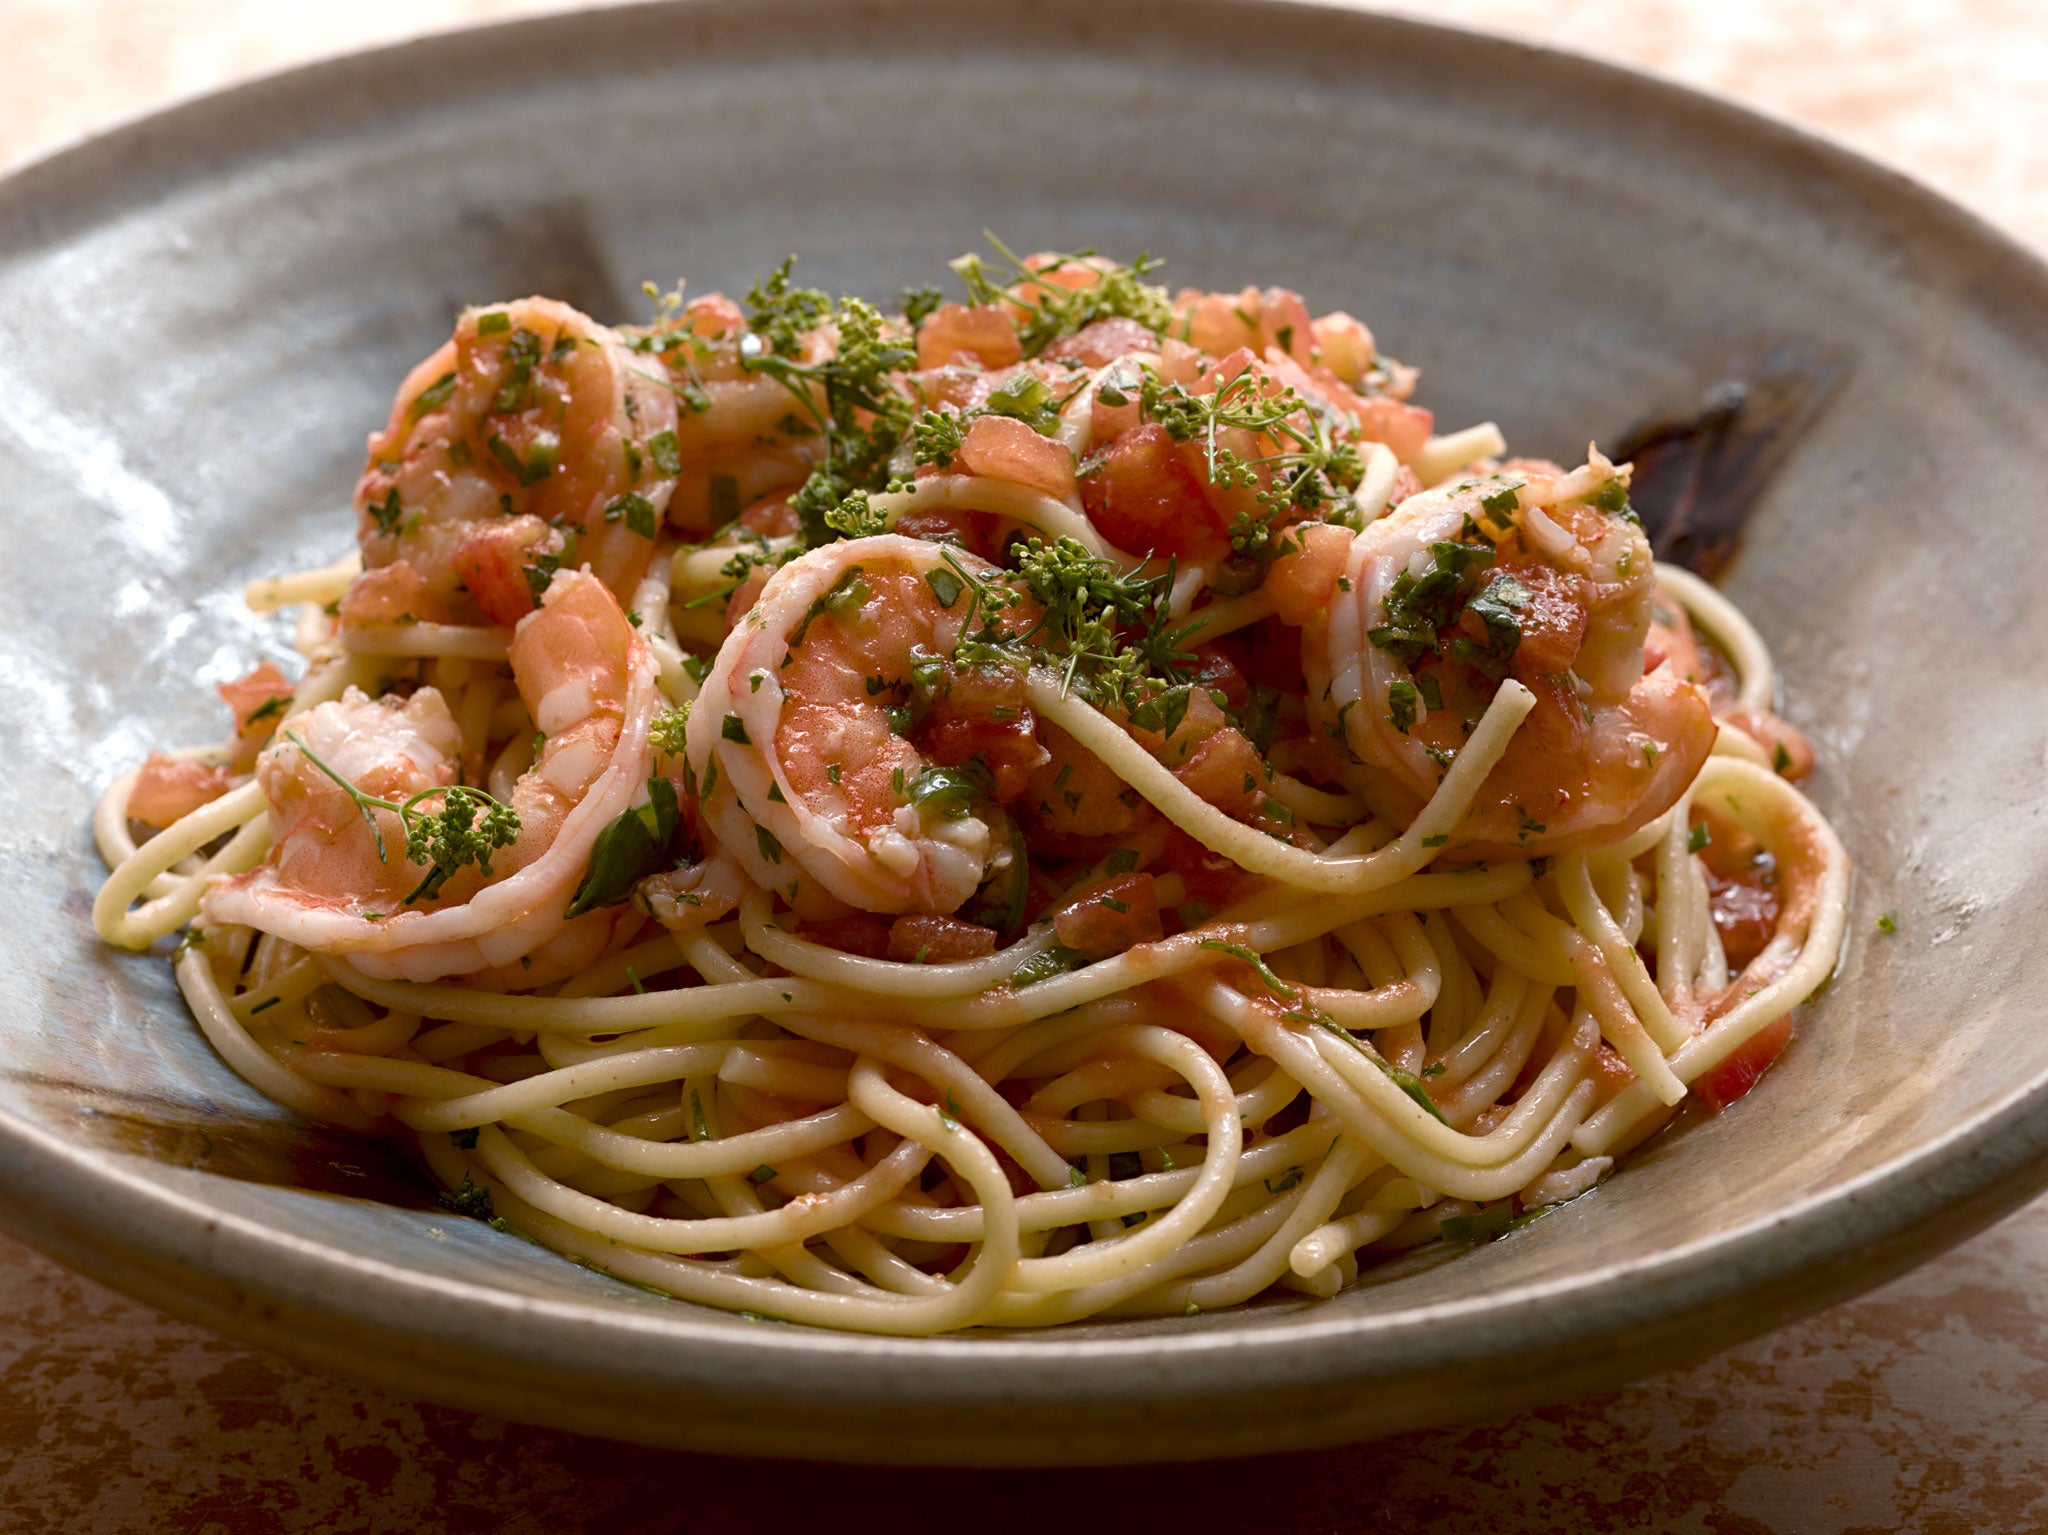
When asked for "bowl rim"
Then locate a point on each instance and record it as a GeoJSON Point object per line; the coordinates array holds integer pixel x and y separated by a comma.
{"type": "Point", "coordinates": [500, 1350]}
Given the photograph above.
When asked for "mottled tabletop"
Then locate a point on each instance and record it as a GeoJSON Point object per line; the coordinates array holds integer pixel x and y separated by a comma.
{"type": "Point", "coordinates": [1923, 1406]}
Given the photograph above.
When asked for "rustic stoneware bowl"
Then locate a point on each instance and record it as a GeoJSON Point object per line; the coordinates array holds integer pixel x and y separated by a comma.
{"type": "Point", "coordinates": [202, 314]}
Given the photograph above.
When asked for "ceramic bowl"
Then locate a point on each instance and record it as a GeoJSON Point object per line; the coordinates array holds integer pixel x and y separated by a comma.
{"type": "Point", "coordinates": [204, 312]}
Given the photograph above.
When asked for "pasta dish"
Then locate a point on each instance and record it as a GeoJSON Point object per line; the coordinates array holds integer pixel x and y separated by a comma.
{"type": "Point", "coordinates": [1073, 802]}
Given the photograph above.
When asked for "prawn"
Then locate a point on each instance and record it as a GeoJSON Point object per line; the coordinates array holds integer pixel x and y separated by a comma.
{"type": "Point", "coordinates": [532, 438]}
{"type": "Point", "coordinates": [742, 434]}
{"type": "Point", "coordinates": [1519, 573]}
{"type": "Point", "coordinates": [333, 882]}
{"type": "Point", "coordinates": [831, 741]}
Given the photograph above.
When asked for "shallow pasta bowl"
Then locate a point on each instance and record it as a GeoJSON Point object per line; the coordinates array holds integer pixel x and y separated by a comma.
{"type": "Point", "coordinates": [202, 313]}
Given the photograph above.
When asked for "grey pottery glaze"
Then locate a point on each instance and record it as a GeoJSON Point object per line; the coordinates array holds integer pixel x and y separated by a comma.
{"type": "Point", "coordinates": [202, 314]}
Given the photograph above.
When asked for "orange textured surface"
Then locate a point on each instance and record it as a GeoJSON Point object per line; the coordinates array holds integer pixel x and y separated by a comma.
{"type": "Point", "coordinates": [1923, 1406]}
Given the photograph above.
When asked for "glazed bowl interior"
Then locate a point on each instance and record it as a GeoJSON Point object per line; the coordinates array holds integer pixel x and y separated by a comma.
{"type": "Point", "coordinates": [204, 314]}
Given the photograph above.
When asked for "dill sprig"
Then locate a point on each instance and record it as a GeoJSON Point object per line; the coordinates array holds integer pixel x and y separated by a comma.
{"type": "Point", "coordinates": [1313, 469]}
{"type": "Point", "coordinates": [1053, 313]}
{"type": "Point", "coordinates": [468, 828]}
{"type": "Point", "coordinates": [780, 313]}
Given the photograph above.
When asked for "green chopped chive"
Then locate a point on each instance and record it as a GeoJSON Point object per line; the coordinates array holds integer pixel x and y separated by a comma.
{"type": "Point", "coordinates": [431, 398]}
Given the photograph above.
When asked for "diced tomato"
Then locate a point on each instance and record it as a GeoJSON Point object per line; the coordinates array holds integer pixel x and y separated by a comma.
{"type": "Point", "coordinates": [1107, 422]}
{"type": "Point", "coordinates": [1215, 672]}
{"type": "Point", "coordinates": [1219, 322]}
{"type": "Point", "coordinates": [713, 316]}
{"type": "Point", "coordinates": [1073, 798]}
{"type": "Point", "coordinates": [953, 332]}
{"type": "Point", "coordinates": [1745, 911]}
{"type": "Point", "coordinates": [259, 690]}
{"type": "Point", "coordinates": [1790, 752]}
{"type": "Point", "coordinates": [168, 788]}
{"type": "Point", "coordinates": [972, 531]}
{"type": "Point", "coordinates": [1202, 718]}
{"type": "Point", "coordinates": [858, 934]}
{"type": "Point", "coordinates": [1225, 770]}
{"type": "Point", "coordinates": [1002, 448]}
{"type": "Point", "coordinates": [389, 594]}
{"type": "Point", "coordinates": [1553, 621]}
{"type": "Point", "coordinates": [929, 938]}
{"type": "Point", "coordinates": [771, 517]}
{"type": "Point", "coordinates": [1403, 427]}
{"type": "Point", "coordinates": [1146, 499]}
{"type": "Point", "coordinates": [1739, 1073]}
{"type": "Point", "coordinates": [982, 713]}
{"type": "Point", "coordinates": [1102, 342]}
{"type": "Point", "coordinates": [1207, 876]}
{"type": "Point", "coordinates": [1304, 580]}
{"type": "Point", "coordinates": [1110, 915]}
{"type": "Point", "coordinates": [259, 701]}
{"type": "Point", "coordinates": [1610, 1073]}
{"type": "Point", "coordinates": [1344, 345]}
{"type": "Point", "coordinates": [1266, 652]}
{"type": "Point", "coordinates": [1742, 888]}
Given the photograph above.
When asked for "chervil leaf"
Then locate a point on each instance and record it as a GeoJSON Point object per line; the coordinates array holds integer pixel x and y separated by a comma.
{"type": "Point", "coordinates": [468, 828]}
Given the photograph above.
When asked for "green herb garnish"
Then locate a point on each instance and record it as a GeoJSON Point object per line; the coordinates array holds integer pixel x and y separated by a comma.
{"type": "Point", "coordinates": [467, 829]}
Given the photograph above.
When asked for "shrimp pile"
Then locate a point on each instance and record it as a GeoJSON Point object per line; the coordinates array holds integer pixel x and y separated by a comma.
{"type": "Point", "coordinates": [1076, 801]}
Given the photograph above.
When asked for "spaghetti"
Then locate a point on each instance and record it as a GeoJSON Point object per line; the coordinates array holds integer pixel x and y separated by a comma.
{"type": "Point", "coordinates": [1072, 803]}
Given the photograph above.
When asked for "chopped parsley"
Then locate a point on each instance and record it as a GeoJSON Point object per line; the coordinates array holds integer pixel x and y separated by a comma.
{"type": "Point", "coordinates": [1419, 607]}
{"type": "Point", "coordinates": [1107, 633]}
{"type": "Point", "coordinates": [951, 791]}
{"type": "Point", "coordinates": [1257, 961]}
{"type": "Point", "coordinates": [539, 571]}
{"type": "Point", "coordinates": [1056, 959]}
{"type": "Point", "coordinates": [388, 512]}
{"type": "Point", "coordinates": [271, 708]}
{"type": "Point", "coordinates": [1401, 697]}
{"type": "Point", "coordinates": [431, 398]}
{"type": "Point", "coordinates": [471, 1199]}
{"type": "Point", "coordinates": [635, 510]}
{"type": "Point", "coordinates": [1482, 1225]}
